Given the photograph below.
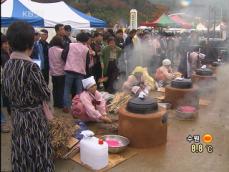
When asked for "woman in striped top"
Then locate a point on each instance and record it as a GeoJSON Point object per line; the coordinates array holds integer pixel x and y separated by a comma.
{"type": "Point", "coordinates": [26, 89]}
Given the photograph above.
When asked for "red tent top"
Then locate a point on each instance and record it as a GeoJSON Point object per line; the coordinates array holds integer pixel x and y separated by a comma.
{"type": "Point", "coordinates": [149, 24]}
{"type": "Point", "coordinates": [162, 21]}
{"type": "Point", "coordinates": [181, 21]}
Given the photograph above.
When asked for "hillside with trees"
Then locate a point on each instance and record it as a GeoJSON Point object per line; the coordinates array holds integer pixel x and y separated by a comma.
{"type": "Point", "coordinates": [116, 11]}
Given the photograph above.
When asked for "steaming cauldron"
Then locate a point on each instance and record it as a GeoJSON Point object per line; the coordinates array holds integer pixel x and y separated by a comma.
{"type": "Point", "coordinates": [181, 83]}
{"type": "Point", "coordinates": [142, 106]}
{"type": "Point", "coordinates": [143, 123]}
{"type": "Point", "coordinates": [204, 72]}
{"type": "Point", "coordinates": [182, 92]}
{"type": "Point", "coordinates": [215, 66]}
{"type": "Point", "coordinates": [205, 75]}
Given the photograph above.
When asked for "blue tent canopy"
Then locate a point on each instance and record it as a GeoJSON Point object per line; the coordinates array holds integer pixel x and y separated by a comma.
{"type": "Point", "coordinates": [14, 10]}
{"type": "Point", "coordinates": [20, 12]}
{"type": "Point", "coordinates": [94, 22]}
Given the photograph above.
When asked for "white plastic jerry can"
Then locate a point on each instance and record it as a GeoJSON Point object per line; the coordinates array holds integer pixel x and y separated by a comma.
{"type": "Point", "coordinates": [94, 152]}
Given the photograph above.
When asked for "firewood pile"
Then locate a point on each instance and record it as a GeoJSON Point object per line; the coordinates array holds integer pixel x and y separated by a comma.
{"type": "Point", "coordinates": [61, 130]}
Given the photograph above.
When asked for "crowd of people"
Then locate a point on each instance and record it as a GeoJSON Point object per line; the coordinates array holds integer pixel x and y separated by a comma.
{"type": "Point", "coordinates": [106, 54]}
{"type": "Point", "coordinates": [77, 66]}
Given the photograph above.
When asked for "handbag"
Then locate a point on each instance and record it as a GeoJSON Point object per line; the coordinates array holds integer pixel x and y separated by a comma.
{"type": "Point", "coordinates": [47, 111]}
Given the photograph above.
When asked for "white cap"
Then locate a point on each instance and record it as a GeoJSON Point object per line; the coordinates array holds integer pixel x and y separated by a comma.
{"type": "Point", "coordinates": [166, 62]}
{"type": "Point", "coordinates": [203, 67]}
{"type": "Point", "coordinates": [88, 82]}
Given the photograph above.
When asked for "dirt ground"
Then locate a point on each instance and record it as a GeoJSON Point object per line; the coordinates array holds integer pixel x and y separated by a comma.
{"type": "Point", "coordinates": [174, 156]}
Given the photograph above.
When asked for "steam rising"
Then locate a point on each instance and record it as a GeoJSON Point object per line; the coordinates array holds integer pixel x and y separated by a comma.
{"type": "Point", "coordinates": [222, 92]}
{"type": "Point", "coordinates": [142, 54]}
{"type": "Point", "coordinates": [197, 8]}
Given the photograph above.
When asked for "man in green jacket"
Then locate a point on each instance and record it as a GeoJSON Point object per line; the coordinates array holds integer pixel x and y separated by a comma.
{"type": "Point", "coordinates": [109, 59]}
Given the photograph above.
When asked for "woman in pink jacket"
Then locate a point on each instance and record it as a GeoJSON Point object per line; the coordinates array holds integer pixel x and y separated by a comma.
{"type": "Point", "coordinates": [56, 66]}
{"type": "Point", "coordinates": [90, 105]}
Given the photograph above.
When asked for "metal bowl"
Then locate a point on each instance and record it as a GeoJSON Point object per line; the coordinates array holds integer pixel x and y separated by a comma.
{"type": "Point", "coordinates": [122, 140]}
{"type": "Point", "coordinates": [186, 115]}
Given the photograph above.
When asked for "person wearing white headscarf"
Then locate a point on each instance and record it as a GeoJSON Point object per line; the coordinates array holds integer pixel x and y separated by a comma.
{"type": "Point", "coordinates": [164, 73]}
{"type": "Point", "coordinates": [90, 105]}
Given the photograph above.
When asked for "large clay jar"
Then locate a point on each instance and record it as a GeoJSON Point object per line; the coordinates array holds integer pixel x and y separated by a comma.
{"type": "Point", "coordinates": [206, 81]}
{"type": "Point", "coordinates": [144, 130]}
{"type": "Point", "coordinates": [180, 96]}
{"type": "Point", "coordinates": [198, 79]}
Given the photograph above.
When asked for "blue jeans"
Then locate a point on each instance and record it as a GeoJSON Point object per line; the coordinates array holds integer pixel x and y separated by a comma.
{"type": "Point", "coordinates": [72, 80]}
{"type": "Point", "coordinates": [3, 118]}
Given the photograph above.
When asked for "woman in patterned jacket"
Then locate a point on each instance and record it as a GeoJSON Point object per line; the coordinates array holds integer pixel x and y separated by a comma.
{"type": "Point", "coordinates": [26, 89]}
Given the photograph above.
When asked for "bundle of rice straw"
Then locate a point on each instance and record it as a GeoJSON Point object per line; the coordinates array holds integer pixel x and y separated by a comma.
{"type": "Point", "coordinates": [119, 100]}
{"type": "Point", "coordinates": [61, 130]}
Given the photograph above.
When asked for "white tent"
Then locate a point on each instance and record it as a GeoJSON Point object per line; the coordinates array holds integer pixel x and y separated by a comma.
{"type": "Point", "coordinates": [201, 27]}
{"type": "Point", "coordinates": [219, 27]}
{"type": "Point", "coordinates": [54, 13]}
{"type": "Point", "coordinates": [7, 8]}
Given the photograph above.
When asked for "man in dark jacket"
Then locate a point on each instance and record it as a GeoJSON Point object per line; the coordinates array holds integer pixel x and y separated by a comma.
{"type": "Point", "coordinates": [119, 39]}
{"type": "Point", "coordinates": [68, 30]}
{"type": "Point", "coordinates": [97, 46]}
{"type": "Point", "coordinates": [60, 31]}
{"type": "Point", "coordinates": [129, 39]}
{"type": "Point", "coordinates": [35, 52]}
{"type": "Point", "coordinates": [45, 47]}
{"type": "Point", "coordinates": [129, 46]}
